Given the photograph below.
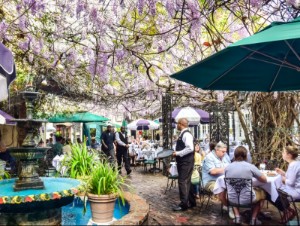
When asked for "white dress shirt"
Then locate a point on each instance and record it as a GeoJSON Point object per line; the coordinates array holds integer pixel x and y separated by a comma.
{"type": "Point", "coordinates": [121, 143]}
{"type": "Point", "coordinates": [188, 140]}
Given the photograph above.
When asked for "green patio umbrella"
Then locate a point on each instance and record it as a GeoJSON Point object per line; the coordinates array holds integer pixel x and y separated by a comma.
{"type": "Point", "coordinates": [77, 117]}
{"type": "Point", "coordinates": [266, 61]}
{"type": "Point", "coordinates": [124, 123]}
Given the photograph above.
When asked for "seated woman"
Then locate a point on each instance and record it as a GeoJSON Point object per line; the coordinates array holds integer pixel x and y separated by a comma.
{"type": "Point", "coordinates": [133, 150]}
{"type": "Point", "coordinates": [240, 168]}
{"type": "Point", "coordinates": [199, 157]}
{"type": "Point", "coordinates": [290, 178]}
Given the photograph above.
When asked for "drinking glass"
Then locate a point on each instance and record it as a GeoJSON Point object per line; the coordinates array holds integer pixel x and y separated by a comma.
{"type": "Point", "coordinates": [262, 167]}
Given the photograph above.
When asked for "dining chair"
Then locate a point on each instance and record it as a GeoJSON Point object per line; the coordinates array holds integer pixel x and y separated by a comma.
{"type": "Point", "coordinates": [204, 193]}
{"type": "Point", "coordinates": [287, 202]}
{"type": "Point", "coordinates": [239, 189]}
{"type": "Point", "coordinates": [171, 180]}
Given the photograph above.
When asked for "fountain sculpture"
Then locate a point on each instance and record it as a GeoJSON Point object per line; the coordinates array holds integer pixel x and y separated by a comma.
{"type": "Point", "coordinates": [28, 154]}
{"type": "Point", "coordinates": [29, 199]}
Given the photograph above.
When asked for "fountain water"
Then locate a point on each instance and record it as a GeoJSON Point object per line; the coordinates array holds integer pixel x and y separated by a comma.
{"type": "Point", "coordinates": [31, 200]}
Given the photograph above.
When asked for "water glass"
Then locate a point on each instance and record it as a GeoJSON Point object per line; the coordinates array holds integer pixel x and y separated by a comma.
{"type": "Point", "coordinates": [262, 167]}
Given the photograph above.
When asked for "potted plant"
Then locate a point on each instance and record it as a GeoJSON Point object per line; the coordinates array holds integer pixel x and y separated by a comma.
{"type": "Point", "coordinates": [80, 162]}
{"type": "Point", "coordinates": [104, 186]}
{"type": "Point", "coordinates": [3, 173]}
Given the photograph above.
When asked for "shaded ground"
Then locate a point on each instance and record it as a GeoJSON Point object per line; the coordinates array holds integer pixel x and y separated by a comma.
{"type": "Point", "coordinates": [152, 187]}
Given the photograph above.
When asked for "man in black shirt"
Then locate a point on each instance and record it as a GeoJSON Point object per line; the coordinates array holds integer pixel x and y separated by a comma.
{"type": "Point", "coordinates": [122, 150]}
{"type": "Point", "coordinates": [107, 140]}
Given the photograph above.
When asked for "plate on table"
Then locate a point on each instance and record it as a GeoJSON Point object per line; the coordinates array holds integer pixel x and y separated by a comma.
{"type": "Point", "coordinates": [271, 174]}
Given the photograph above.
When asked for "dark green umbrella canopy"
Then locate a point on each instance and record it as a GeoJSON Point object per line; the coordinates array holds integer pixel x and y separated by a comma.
{"type": "Point", "coordinates": [124, 123]}
{"type": "Point", "coordinates": [266, 61]}
{"type": "Point", "coordinates": [77, 117]}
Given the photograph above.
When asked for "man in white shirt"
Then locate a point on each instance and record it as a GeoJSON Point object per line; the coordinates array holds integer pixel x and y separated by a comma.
{"type": "Point", "coordinates": [122, 150]}
{"type": "Point", "coordinates": [184, 153]}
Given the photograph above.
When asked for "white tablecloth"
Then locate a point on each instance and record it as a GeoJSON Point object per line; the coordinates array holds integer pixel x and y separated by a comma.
{"type": "Point", "coordinates": [269, 187]}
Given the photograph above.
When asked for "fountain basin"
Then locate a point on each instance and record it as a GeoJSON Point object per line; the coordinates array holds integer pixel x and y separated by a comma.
{"type": "Point", "coordinates": [57, 193]}
{"type": "Point", "coordinates": [28, 153]}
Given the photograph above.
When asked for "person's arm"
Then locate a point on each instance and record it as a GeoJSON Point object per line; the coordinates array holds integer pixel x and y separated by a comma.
{"type": "Point", "coordinates": [102, 140]}
{"type": "Point", "coordinates": [211, 166]}
{"type": "Point", "coordinates": [216, 171]}
{"type": "Point", "coordinates": [280, 171]}
{"type": "Point", "coordinates": [189, 145]}
{"type": "Point", "coordinates": [262, 178]}
{"type": "Point", "coordinates": [292, 177]}
{"type": "Point", "coordinates": [121, 143]}
{"type": "Point", "coordinates": [258, 175]}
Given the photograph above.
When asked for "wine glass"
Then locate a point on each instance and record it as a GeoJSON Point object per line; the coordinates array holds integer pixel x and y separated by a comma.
{"type": "Point", "coordinates": [262, 167]}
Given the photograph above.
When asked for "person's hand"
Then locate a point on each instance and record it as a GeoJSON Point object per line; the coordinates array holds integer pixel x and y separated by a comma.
{"type": "Point", "coordinates": [283, 178]}
{"type": "Point", "coordinates": [174, 153]}
{"type": "Point", "coordinates": [280, 171]}
{"type": "Point", "coordinates": [126, 145]}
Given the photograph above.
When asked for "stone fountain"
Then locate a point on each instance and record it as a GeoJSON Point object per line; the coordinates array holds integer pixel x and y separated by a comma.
{"type": "Point", "coordinates": [29, 199]}
{"type": "Point", "coordinates": [29, 153]}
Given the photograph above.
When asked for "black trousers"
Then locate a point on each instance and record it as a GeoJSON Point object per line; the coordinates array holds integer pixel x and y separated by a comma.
{"type": "Point", "coordinates": [185, 169]}
{"type": "Point", "coordinates": [122, 154]}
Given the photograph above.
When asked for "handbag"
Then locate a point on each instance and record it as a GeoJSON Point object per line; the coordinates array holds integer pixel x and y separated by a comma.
{"type": "Point", "coordinates": [173, 169]}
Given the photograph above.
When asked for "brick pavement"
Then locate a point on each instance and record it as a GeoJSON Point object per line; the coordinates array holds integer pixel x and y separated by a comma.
{"type": "Point", "coordinates": [151, 188]}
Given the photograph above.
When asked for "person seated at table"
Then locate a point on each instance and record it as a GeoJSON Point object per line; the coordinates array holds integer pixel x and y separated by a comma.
{"type": "Point", "coordinates": [133, 150]}
{"type": "Point", "coordinates": [205, 144]}
{"type": "Point", "coordinates": [199, 157]}
{"type": "Point", "coordinates": [240, 168]}
{"type": "Point", "coordinates": [213, 165]}
{"type": "Point", "coordinates": [145, 143]}
{"type": "Point", "coordinates": [212, 146]}
{"type": "Point", "coordinates": [57, 147]}
{"type": "Point", "coordinates": [67, 150]}
{"type": "Point", "coordinates": [290, 178]}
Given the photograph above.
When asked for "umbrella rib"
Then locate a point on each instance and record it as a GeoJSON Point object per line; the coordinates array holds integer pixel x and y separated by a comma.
{"type": "Point", "coordinates": [273, 58]}
{"type": "Point", "coordinates": [291, 48]}
{"type": "Point", "coordinates": [268, 62]}
{"type": "Point", "coordinates": [279, 70]}
{"type": "Point", "coordinates": [230, 69]}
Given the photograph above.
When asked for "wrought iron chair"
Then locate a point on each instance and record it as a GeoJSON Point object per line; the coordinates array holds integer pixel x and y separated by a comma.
{"type": "Point", "coordinates": [238, 188]}
{"type": "Point", "coordinates": [204, 193]}
{"type": "Point", "coordinates": [287, 202]}
{"type": "Point", "coordinates": [171, 182]}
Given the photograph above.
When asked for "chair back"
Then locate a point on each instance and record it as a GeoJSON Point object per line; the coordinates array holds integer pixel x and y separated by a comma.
{"type": "Point", "coordinates": [201, 187]}
{"type": "Point", "coordinates": [239, 191]}
{"type": "Point", "coordinates": [287, 202]}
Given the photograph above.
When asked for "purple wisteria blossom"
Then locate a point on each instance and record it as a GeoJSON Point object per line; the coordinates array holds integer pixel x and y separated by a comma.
{"type": "Point", "coordinates": [170, 6]}
{"type": "Point", "coordinates": [24, 45]}
{"type": "Point", "coordinates": [140, 5]}
{"type": "Point", "coordinates": [3, 29]}
{"type": "Point", "coordinates": [22, 23]}
{"type": "Point", "coordinates": [93, 14]}
{"type": "Point", "coordinates": [152, 7]}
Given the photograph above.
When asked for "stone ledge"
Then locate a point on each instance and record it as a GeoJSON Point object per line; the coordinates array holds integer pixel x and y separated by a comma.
{"type": "Point", "coordinates": [138, 212]}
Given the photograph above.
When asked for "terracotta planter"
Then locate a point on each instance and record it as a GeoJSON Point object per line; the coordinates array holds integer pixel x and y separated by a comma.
{"type": "Point", "coordinates": [102, 207]}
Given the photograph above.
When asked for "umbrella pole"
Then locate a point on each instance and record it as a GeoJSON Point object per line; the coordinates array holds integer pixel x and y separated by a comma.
{"type": "Point", "coordinates": [45, 134]}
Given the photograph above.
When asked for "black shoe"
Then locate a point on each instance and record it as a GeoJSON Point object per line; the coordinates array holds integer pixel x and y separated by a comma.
{"type": "Point", "coordinates": [179, 208]}
{"type": "Point", "coordinates": [192, 205]}
{"type": "Point", "coordinates": [129, 172]}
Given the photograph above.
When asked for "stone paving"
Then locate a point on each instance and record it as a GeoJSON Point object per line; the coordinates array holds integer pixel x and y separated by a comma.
{"type": "Point", "coordinates": [152, 187]}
